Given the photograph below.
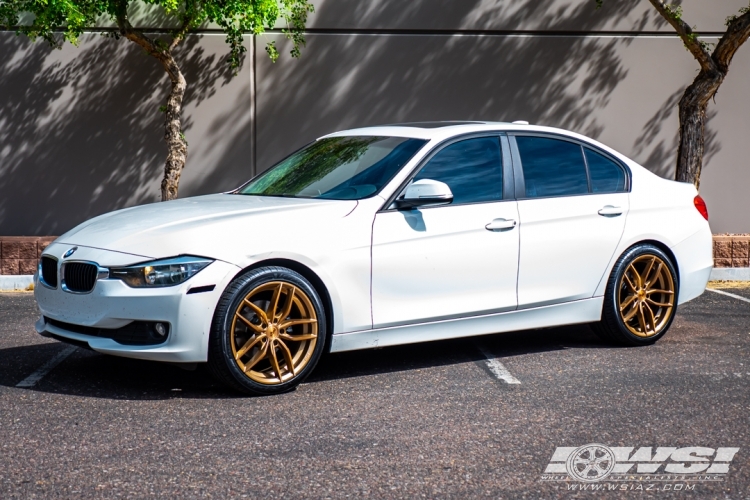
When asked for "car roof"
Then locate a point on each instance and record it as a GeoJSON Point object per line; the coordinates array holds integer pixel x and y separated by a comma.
{"type": "Point", "coordinates": [439, 130]}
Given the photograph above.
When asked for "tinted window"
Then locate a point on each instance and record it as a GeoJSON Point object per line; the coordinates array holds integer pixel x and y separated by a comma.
{"type": "Point", "coordinates": [473, 169]}
{"type": "Point", "coordinates": [606, 175]}
{"type": "Point", "coordinates": [552, 167]}
{"type": "Point", "coordinates": [341, 168]}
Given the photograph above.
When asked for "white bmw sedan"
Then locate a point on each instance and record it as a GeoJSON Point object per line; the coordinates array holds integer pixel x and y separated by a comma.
{"type": "Point", "coordinates": [382, 236]}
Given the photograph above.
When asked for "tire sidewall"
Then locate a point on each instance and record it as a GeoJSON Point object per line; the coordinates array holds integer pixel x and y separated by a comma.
{"type": "Point", "coordinates": [240, 287]}
{"type": "Point", "coordinates": [611, 296]}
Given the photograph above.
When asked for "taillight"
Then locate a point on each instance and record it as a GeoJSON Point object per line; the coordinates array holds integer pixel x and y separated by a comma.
{"type": "Point", "coordinates": [701, 206]}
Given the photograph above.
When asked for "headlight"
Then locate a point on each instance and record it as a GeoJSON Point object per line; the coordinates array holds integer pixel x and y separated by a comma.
{"type": "Point", "coordinates": [167, 272]}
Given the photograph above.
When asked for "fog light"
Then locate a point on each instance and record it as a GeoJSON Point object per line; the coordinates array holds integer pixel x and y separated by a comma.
{"type": "Point", "coordinates": [160, 329]}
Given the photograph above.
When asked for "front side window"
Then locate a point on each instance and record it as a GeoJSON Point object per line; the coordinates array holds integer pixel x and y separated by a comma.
{"type": "Point", "coordinates": [552, 167]}
{"type": "Point", "coordinates": [606, 175]}
{"type": "Point", "coordinates": [472, 168]}
{"type": "Point", "coordinates": [337, 168]}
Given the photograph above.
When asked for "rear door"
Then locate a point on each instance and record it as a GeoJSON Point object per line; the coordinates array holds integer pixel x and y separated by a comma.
{"type": "Point", "coordinates": [572, 215]}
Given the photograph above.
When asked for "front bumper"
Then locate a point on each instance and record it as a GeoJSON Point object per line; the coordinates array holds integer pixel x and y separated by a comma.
{"type": "Point", "coordinates": [112, 304]}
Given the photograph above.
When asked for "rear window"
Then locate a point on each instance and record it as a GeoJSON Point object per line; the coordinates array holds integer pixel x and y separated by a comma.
{"type": "Point", "coordinates": [606, 175]}
{"type": "Point", "coordinates": [552, 167]}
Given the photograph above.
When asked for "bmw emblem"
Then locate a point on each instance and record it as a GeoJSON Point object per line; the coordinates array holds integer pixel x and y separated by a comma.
{"type": "Point", "coordinates": [70, 252]}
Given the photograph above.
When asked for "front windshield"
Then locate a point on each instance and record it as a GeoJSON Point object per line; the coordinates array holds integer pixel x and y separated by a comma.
{"type": "Point", "coordinates": [337, 168]}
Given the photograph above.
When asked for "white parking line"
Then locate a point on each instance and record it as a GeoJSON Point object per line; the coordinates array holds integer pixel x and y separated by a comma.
{"type": "Point", "coordinates": [497, 368]}
{"type": "Point", "coordinates": [729, 294]}
{"type": "Point", "coordinates": [47, 367]}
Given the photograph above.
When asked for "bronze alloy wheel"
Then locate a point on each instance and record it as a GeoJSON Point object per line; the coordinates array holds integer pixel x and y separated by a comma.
{"type": "Point", "coordinates": [274, 332]}
{"type": "Point", "coordinates": [646, 295]}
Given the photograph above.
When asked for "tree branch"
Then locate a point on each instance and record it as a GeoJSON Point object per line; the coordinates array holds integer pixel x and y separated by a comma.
{"type": "Point", "coordinates": [187, 23]}
{"type": "Point", "coordinates": [689, 37]}
{"type": "Point", "coordinates": [738, 31]}
{"type": "Point", "coordinates": [151, 47]}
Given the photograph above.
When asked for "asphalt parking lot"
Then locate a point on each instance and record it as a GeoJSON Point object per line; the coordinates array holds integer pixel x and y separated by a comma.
{"type": "Point", "coordinates": [422, 421]}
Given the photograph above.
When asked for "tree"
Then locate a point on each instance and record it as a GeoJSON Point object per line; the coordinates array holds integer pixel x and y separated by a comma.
{"type": "Point", "coordinates": [714, 67]}
{"type": "Point", "coordinates": [58, 21]}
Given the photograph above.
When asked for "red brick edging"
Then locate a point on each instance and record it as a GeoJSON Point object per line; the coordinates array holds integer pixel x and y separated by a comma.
{"type": "Point", "coordinates": [732, 250]}
{"type": "Point", "coordinates": [19, 254]}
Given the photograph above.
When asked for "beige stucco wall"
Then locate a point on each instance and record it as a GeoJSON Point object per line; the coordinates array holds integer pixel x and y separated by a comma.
{"type": "Point", "coordinates": [80, 131]}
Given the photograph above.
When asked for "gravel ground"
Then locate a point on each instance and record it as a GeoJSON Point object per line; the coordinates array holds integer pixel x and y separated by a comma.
{"type": "Point", "coordinates": [421, 421]}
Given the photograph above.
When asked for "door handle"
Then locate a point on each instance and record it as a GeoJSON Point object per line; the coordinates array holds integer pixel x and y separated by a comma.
{"type": "Point", "coordinates": [610, 211]}
{"type": "Point", "coordinates": [501, 225]}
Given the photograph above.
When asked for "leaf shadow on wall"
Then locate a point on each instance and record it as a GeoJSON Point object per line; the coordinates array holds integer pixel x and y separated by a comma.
{"type": "Point", "coordinates": [80, 133]}
{"type": "Point", "coordinates": [345, 81]}
{"type": "Point", "coordinates": [80, 129]}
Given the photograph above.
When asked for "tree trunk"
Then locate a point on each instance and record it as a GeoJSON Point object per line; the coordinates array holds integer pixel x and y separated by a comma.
{"type": "Point", "coordinates": [693, 107]}
{"type": "Point", "coordinates": [175, 139]}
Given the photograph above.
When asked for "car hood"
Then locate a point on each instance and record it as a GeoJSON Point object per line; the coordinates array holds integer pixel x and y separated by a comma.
{"type": "Point", "coordinates": [217, 226]}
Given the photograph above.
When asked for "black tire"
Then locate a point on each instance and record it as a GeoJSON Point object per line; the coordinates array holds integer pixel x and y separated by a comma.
{"type": "Point", "coordinates": [230, 334]}
{"type": "Point", "coordinates": [613, 326]}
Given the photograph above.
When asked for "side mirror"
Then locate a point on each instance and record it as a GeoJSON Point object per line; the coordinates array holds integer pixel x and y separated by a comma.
{"type": "Point", "coordinates": [425, 192]}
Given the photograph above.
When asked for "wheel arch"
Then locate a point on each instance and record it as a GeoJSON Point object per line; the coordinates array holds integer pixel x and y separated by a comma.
{"type": "Point", "coordinates": [616, 257]}
{"type": "Point", "coordinates": [664, 248]}
{"type": "Point", "coordinates": [313, 278]}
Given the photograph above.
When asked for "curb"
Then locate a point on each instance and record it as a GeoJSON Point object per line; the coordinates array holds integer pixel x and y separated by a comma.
{"type": "Point", "coordinates": [730, 274]}
{"type": "Point", "coordinates": [15, 282]}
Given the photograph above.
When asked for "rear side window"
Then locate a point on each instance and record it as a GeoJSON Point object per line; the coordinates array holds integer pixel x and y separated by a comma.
{"type": "Point", "coordinates": [606, 175]}
{"type": "Point", "coordinates": [473, 169]}
{"type": "Point", "coordinates": [552, 167]}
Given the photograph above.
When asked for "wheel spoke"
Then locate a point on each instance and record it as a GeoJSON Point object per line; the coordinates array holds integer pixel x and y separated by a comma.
{"type": "Point", "coordinates": [647, 272]}
{"type": "Point", "coordinates": [271, 313]}
{"type": "Point", "coordinates": [274, 360]}
{"type": "Point", "coordinates": [629, 282]}
{"type": "Point", "coordinates": [658, 304]}
{"type": "Point", "coordinates": [651, 315]}
{"type": "Point", "coordinates": [249, 323]}
{"type": "Point", "coordinates": [293, 322]}
{"type": "Point", "coordinates": [633, 310]}
{"type": "Point", "coordinates": [642, 318]}
{"type": "Point", "coordinates": [627, 302]}
{"type": "Point", "coordinates": [257, 310]}
{"type": "Point", "coordinates": [288, 304]}
{"type": "Point", "coordinates": [655, 277]}
{"type": "Point", "coordinates": [287, 354]}
{"type": "Point", "coordinates": [298, 338]}
{"type": "Point", "coordinates": [638, 279]}
{"type": "Point", "coordinates": [666, 292]}
{"type": "Point", "coordinates": [262, 353]}
{"type": "Point", "coordinates": [249, 345]}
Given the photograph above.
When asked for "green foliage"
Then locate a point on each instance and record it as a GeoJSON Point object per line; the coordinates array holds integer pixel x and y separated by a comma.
{"type": "Point", "coordinates": [731, 19]}
{"type": "Point", "coordinates": [675, 12]}
{"type": "Point", "coordinates": [57, 21]}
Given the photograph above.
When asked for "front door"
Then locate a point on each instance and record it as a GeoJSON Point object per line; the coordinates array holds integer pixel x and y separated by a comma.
{"type": "Point", "coordinates": [453, 260]}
